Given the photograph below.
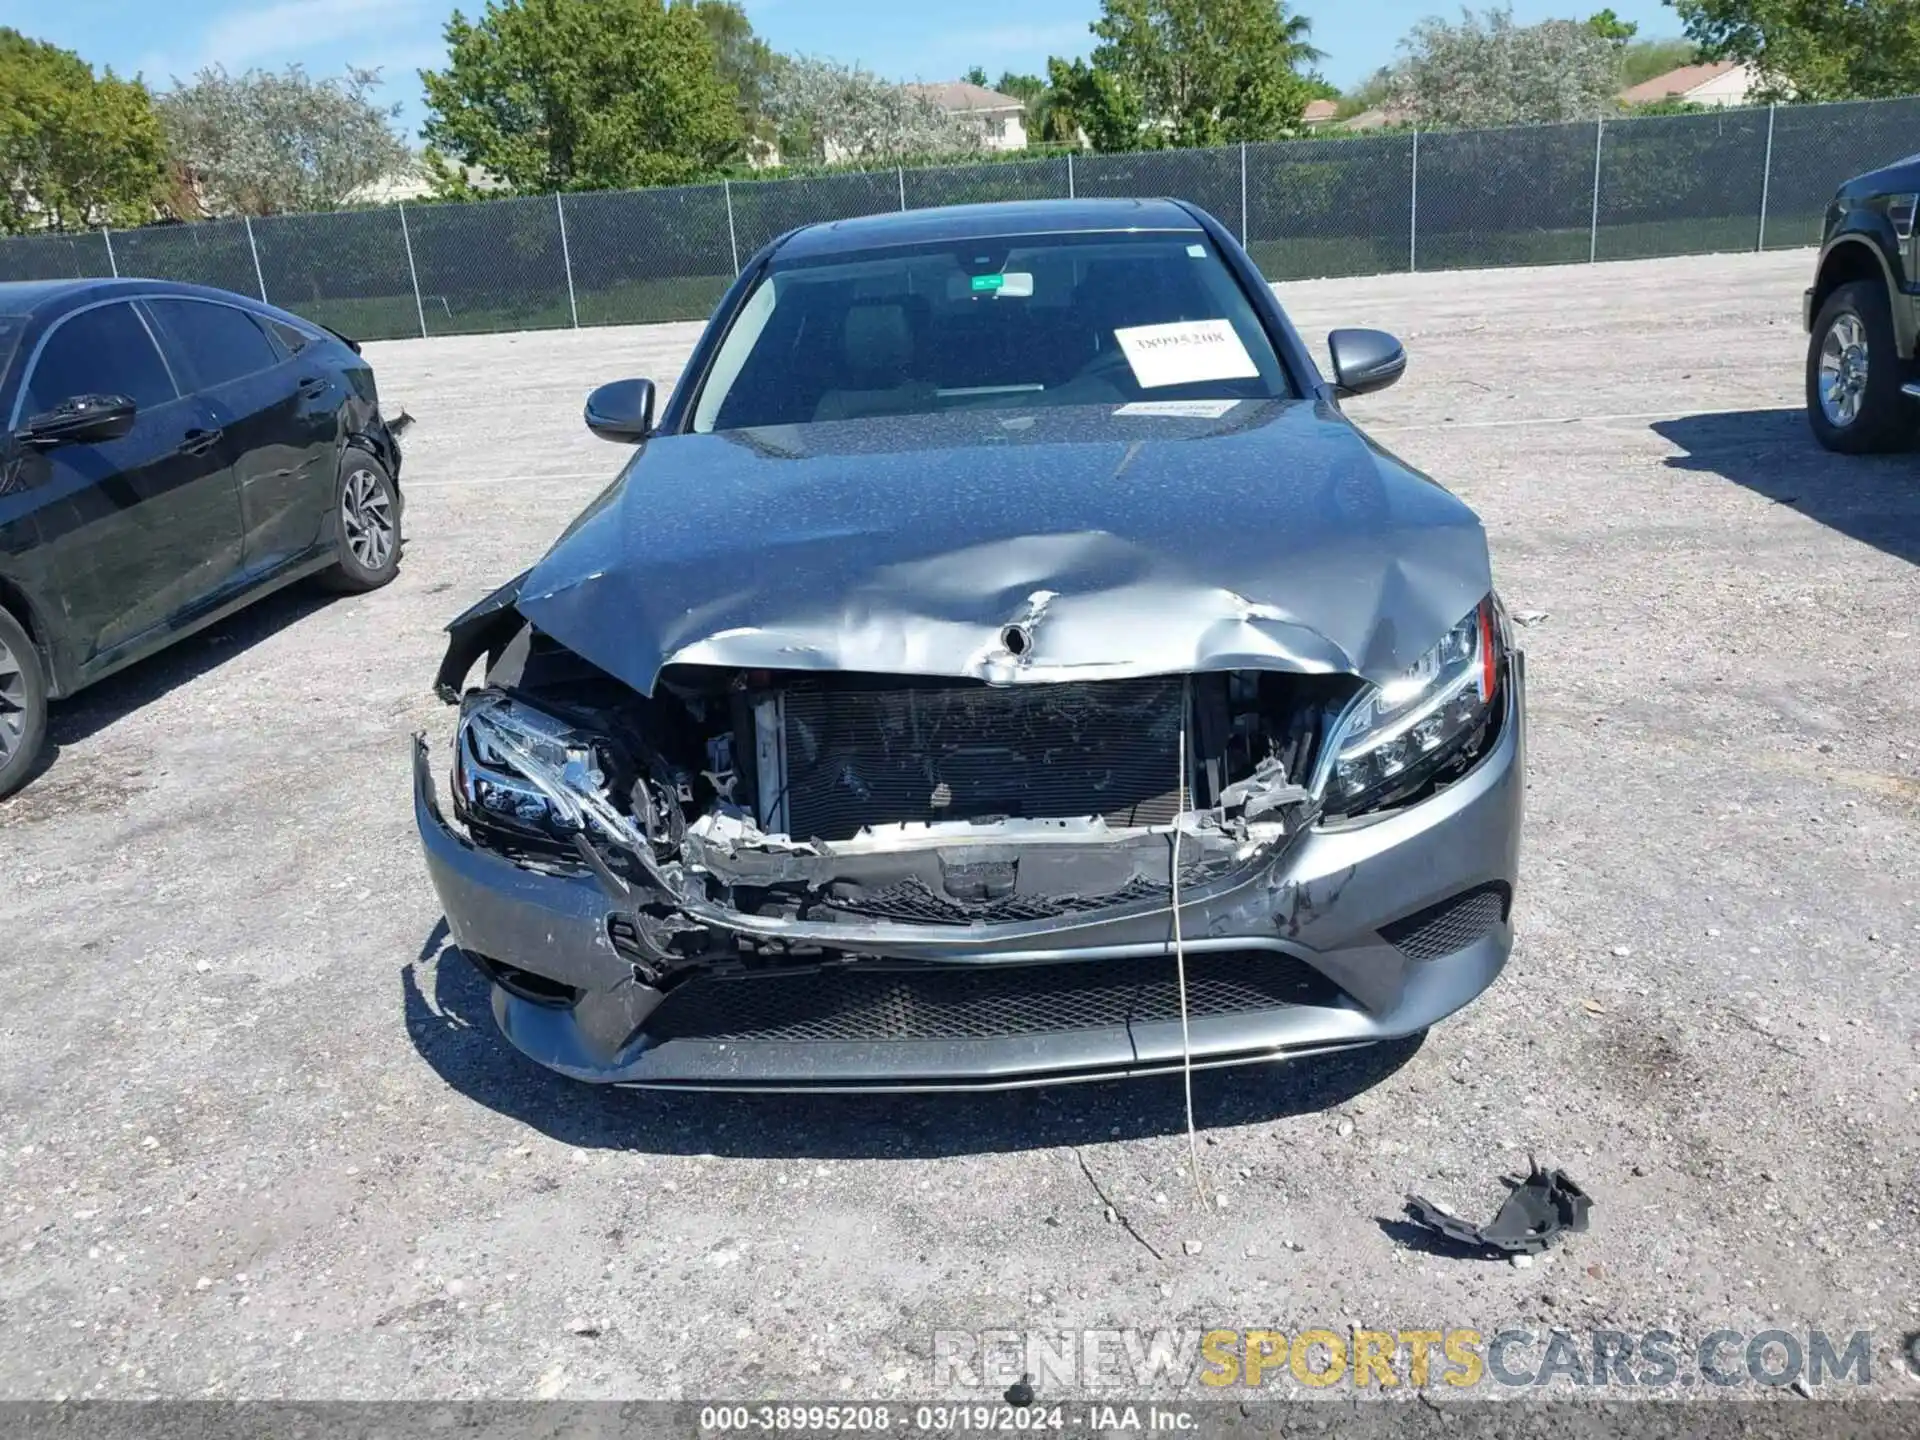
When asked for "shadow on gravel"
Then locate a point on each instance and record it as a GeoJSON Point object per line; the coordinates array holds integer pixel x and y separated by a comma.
{"type": "Point", "coordinates": [454, 1032]}
{"type": "Point", "coordinates": [118, 696]}
{"type": "Point", "coordinates": [1872, 498]}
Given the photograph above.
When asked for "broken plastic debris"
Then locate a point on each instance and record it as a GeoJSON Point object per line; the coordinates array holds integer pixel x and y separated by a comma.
{"type": "Point", "coordinates": [1529, 617]}
{"type": "Point", "coordinates": [1540, 1208]}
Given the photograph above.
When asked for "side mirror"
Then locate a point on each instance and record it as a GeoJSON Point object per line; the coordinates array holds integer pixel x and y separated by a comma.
{"type": "Point", "coordinates": [83, 420]}
{"type": "Point", "coordinates": [621, 410]}
{"type": "Point", "coordinates": [1365, 360]}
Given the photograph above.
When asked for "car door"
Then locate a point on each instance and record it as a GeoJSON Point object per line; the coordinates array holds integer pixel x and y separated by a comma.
{"type": "Point", "coordinates": [134, 534]}
{"type": "Point", "coordinates": [279, 419]}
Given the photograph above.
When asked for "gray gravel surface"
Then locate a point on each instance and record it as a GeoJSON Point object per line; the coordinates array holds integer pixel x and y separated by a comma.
{"type": "Point", "coordinates": [258, 1136]}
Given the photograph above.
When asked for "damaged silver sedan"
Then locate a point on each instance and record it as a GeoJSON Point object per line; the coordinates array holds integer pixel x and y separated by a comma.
{"type": "Point", "coordinates": [999, 663]}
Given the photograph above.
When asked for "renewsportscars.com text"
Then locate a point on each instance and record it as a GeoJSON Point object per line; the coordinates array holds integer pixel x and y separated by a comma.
{"type": "Point", "coordinates": [1213, 1360]}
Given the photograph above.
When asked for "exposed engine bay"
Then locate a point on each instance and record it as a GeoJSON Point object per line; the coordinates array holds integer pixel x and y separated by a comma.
{"type": "Point", "coordinates": [758, 812]}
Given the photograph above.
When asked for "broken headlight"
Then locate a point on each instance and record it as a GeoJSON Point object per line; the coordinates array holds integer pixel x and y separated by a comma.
{"type": "Point", "coordinates": [1398, 738]}
{"type": "Point", "coordinates": [520, 769]}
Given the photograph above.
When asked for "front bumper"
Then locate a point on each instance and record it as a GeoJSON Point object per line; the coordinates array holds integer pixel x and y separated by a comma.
{"type": "Point", "coordinates": [1290, 961]}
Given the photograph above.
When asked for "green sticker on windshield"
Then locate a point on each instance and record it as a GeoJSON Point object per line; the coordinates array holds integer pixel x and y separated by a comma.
{"type": "Point", "coordinates": [988, 282]}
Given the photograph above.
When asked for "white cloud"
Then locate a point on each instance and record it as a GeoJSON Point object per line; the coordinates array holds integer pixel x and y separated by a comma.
{"type": "Point", "coordinates": [291, 30]}
{"type": "Point", "coordinates": [1019, 39]}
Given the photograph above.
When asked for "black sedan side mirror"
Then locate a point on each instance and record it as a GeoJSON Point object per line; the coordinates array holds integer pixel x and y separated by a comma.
{"type": "Point", "coordinates": [1365, 360]}
{"type": "Point", "coordinates": [83, 420]}
{"type": "Point", "coordinates": [621, 410]}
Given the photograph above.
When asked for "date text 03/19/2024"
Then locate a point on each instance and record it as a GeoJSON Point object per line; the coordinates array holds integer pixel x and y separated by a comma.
{"type": "Point", "coordinates": [861, 1419]}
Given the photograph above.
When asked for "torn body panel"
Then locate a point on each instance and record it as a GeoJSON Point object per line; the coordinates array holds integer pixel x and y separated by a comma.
{"type": "Point", "coordinates": [1283, 932]}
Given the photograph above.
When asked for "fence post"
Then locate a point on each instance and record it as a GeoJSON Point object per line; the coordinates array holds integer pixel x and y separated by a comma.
{"type": "Point", "coordinates": [112, 263]}
{"type": "Point", "coordinates": [406, 238]}
{"type": "Point", "coordinates": [259, 279]}
{"type": "Point", "coordinates": [1243, 194]}
{"type": "Point", "coordinates": [733, 240]}
{"type": "Point", "coordinates": [1593, 225]}
{"type": "Point", "coordinates": [1413, 210]}
{"type": "Point", "coordinates": [566, 258]}
{"type": "Point", "coordinates": [1070, 174]}
{"type": "Point", "coordinates": [900, 171]}
{"type": "Point", "coordinates": [1766, 179]}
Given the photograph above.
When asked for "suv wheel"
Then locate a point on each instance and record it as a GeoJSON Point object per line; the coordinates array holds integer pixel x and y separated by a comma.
{"type": "Point", "coordinates": [23, 705]}
{"type": "Point", "coordinates": [367, 513]}
{"type": "Point", "coordinates": [1854, 373]}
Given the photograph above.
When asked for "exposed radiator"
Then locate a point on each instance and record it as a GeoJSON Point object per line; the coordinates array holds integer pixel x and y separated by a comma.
{"type": "Point", "coordinates": [856, 756]}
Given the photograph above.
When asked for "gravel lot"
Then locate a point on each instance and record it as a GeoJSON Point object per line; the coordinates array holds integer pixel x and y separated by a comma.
{"type": "Point", "coordinates": [258, 1136]}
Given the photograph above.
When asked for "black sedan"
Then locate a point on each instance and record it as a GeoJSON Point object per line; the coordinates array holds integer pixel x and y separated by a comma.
{"type": "Point", "coordinates": [1000, 662]}
{"type": "Point", "coordinates": [171, 454]}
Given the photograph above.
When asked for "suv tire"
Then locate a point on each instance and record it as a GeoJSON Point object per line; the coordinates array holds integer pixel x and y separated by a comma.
{"type": "Point", "coordinates": [23, 705]}
{"type": "Point", "coordinates": [1854, 373]}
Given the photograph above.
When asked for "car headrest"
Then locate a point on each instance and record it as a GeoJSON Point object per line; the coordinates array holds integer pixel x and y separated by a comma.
{"type": "Point", "coordinates": [877, 339]}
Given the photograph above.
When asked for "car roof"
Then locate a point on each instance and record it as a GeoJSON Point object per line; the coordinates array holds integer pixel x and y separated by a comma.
{"type": "Point", "coordinates": [48, 297]}
{"type": "Point", "coordinates": [980, 222]}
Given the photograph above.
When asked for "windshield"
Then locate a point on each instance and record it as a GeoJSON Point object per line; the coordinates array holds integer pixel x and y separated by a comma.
{"type": "Point", "coordinates": [12, 327]}
{"type": "Point", "coordinates": [1077, 319]}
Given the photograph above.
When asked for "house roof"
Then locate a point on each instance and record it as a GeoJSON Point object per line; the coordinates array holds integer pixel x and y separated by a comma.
{"type": "Point", "coordinates": [1676, 83]}
{"type": "Point", "coordinates": [963, 95]}
{"type": "Point", "coordinates": [1319, 111]}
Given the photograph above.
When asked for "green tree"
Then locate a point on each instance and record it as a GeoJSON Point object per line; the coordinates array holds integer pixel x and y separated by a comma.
{"type": "Point", "coordinates": [1085, 104]}
{"type": "Point", "coordinates": [1031, 92]}
{"type": "Point", "coordinates": [1644, 59]}
{"type": "Point", "coordinates": [1198, 72]}
{"type": "Point", "coordinates": [266, 144]}
{"type": "Point", "coordinates": [1813, 49]}
{"type": "Point", "coordinates": [1376, 89]}
{"type": "Point", "coordinates": [1609, 26]}
{"type": "Point", "coordinates": [581, 95]}
{"type": "Point", "coordinates": [742, 59]}
{"type": "Point", "coordinates": [76, 149]}
{"type": "Point", "coordinates": [976, 75]}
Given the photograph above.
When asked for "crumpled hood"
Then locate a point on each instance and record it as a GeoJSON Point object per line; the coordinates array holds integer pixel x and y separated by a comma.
{"type": "Point", "coordinates": [1271, 537]}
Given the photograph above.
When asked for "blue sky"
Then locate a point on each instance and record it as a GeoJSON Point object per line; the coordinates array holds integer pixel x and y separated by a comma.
{"type": "Point", "coordinates": [897, 38]}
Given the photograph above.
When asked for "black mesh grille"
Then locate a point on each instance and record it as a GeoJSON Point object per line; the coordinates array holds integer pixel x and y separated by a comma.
{"type": "Point", "coordinates": [1453, 924]}
{"type": "Point", "coordinates": [980, 1002]}
{"type": "Point", "coordinates": [946, 752]}
{"type": "Point", "coordinates": [913, 901]}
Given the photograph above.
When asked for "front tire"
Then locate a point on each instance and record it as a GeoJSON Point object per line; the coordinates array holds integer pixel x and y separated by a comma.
{"type": "Point", "coordinates": [1854, 373]}
{"type": "Point", "coordinates": [23, 705]}
{"type": "Point", "coordinates": [367, 515]}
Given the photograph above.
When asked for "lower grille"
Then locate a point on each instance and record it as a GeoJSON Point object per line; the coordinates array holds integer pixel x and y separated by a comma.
{"type": "Point", "coordinates": [1453, 924]}
{"type": "Point", "coordinates": [881, 756]}
{"type": "Point", "coordinates": [914, 902]}
{"type": "Point", "coordinates": [980, 1002]}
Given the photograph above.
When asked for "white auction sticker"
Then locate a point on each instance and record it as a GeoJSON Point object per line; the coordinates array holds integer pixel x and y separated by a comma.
{"type": "Point", "coordinates": [1184, 352]}
{"type": "Point", "coordinates": [1179, 409]}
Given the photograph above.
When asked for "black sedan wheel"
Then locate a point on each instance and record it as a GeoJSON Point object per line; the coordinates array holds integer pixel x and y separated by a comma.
{"type": "Point", "coordinates": [368, 517]}
{"type": "Point", "coordinates": [1854, 372]}
{"type": "Point", "coordinates": [23, 705]}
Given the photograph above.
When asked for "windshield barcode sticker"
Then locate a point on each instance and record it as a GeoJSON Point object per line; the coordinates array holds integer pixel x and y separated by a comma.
{"type": "Point", "coordinates": [1185, 352]}
{"type": "Point", "coordinates": [1179, 409]}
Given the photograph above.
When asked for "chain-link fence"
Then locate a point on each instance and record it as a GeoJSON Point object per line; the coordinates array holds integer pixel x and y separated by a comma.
{"type": "Point", "coordinates": [1343, 205]}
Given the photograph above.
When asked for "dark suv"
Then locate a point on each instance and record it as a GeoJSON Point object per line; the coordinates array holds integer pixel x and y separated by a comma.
{"type": "Point", "coordinates": [1862, 315]}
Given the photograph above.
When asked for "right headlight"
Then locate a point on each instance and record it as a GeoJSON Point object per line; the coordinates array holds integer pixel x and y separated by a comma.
{"type": "Point", "coordinates": [1394, 739]}
{"type": "Point", "coordinates": [518, 767]}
